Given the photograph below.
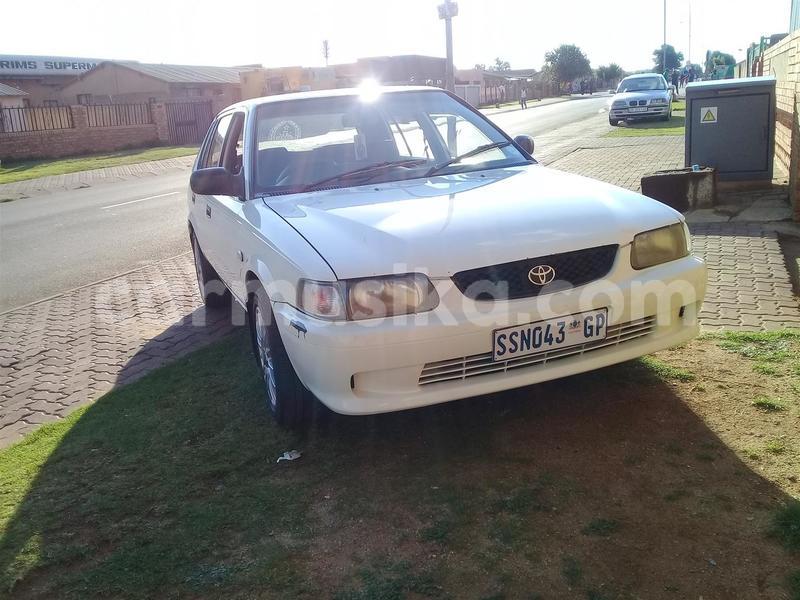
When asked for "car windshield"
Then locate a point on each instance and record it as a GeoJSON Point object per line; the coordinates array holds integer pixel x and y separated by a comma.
{"type": "Point", "coordinates": [347, 140]}
{"type": "Point", "coordinates": [641, 84]}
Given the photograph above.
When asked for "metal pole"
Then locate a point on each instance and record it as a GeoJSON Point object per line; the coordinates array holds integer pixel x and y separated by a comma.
{"type": "Point", "coordinates": [449, 74]}
{"type": "Point", "coordinates": [689, 51]}
{"type": "Point", "coordinates": [664, 59]}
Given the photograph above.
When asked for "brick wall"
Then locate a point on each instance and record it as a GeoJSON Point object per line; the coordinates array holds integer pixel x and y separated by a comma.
{"type": "Point", "coordinates": [783, 61]}
{"type": "Point", "coordinates": [82, 139]}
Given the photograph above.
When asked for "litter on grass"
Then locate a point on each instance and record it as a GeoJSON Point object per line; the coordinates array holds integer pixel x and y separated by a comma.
{"type": "Point", "coordinates": [290, 455]}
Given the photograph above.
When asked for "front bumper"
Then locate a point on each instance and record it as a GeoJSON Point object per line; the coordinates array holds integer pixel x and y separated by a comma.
{"type": "Point", "coordinates": [384, 365]}
{"type": "Point", "coordinates": [661, 110]}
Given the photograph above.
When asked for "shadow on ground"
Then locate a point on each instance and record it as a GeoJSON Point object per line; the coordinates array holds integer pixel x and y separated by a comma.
{"type": "Point", "coordinates": [604, 485]}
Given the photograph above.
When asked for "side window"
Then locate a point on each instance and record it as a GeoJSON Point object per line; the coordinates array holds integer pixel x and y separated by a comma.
{"type": "Point", "coordinates": [213, 155]}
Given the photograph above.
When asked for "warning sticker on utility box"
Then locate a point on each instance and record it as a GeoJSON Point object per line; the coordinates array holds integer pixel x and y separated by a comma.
{"type": "Point", "coordinates": [708, 114]}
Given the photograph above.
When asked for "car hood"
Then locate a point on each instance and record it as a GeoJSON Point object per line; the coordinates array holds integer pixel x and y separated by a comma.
{"type": "Point", "coordinates": [447, 224]}
{"type": "Point", "coordinates": [628, 96]}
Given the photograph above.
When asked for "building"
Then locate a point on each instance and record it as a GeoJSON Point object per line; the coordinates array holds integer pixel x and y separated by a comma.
{"type": "Point", "coordinates": [41, 77]}
{"type": "Point", "coordinates": [503, 86]}
{"type": "Point", "coordinates": [282, 80]}
{"type": "Point", "coordinates": [11, 97]}
{"type": "Point", "coordinates": [124, 82]}
{"type": "Point", "coordinates": [410, 69]}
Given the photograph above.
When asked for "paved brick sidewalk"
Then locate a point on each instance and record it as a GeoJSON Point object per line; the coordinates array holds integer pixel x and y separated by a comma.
{"type": "Point", "coordinates": [81, 179]}
{"type": "Point", "coordinates": [749, 286]}
{"type": "Point", "coordinates": [65, 352]}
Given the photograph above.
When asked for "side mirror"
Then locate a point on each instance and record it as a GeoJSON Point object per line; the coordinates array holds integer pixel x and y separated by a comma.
{"type": "Point", "coordinates": [525, 142]}
{"type": "Point", "coordinates": [217, 181]}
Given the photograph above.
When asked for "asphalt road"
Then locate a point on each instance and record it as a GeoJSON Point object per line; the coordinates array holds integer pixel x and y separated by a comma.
{"type": "Point", "coordinates": [55, 242]}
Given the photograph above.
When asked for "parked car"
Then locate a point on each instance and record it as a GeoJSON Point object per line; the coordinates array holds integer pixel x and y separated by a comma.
{"type": "Point", "coordinates": [641, 96]}
{"type": "Point", "coordinates": [394, 249]}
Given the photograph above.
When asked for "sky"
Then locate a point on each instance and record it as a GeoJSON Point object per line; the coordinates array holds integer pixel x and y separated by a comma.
{"type": "Point", "coordinates": [290, 32]}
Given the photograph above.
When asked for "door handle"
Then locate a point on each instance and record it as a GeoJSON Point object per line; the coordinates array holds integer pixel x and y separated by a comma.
{"type": "Point", "coordinates": [208, 211]}
{"type": "Point", "coordinates": [192, 198]}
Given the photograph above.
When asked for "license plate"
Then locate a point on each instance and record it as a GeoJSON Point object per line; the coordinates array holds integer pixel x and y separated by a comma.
{"type": "Point", "coordinates": [638, 109]}
{"type": "Point", "coordinates": [551, 334]}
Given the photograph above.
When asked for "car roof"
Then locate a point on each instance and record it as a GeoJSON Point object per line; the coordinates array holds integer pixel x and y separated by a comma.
{"type": "Point", "coordinates": [355, 91]}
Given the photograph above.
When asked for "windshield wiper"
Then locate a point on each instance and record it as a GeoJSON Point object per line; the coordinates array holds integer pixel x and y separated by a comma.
{"type": "Point", "coordinates": [474, 152]}
{"type": "Point", "coordinates": [368, 172]}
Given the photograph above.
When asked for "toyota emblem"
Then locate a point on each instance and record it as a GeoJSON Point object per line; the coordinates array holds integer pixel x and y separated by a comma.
{"type": "Point", "coordinates": [541, 275]}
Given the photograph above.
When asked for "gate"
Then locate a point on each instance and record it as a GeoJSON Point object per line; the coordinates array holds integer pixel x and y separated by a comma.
{"type": "Point", "coordinates": [187, 122]}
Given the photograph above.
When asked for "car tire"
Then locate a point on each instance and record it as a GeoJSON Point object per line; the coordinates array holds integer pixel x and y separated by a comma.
{"type": "Point", "coordinates": [212, 290]}
{"type": "Point", "coordinates": [613, 122]}
{"type": "Point", "coordinates": [289, 402]}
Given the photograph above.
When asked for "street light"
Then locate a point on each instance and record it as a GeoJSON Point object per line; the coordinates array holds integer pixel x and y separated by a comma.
{"type": "Point", "coordinates": [447, 11]}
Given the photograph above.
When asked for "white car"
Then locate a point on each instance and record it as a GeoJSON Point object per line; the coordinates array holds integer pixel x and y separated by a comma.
{"type": "Point", "coordinates": [394, 249]}
{"type": "Point", "coordinates": [641, 96]}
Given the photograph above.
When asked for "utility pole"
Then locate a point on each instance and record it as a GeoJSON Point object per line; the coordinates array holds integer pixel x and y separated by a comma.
{"type": "Point", "coordinates": [447, 11]}
{"type": "Point", "coordinates": [664, 47]}
{"type": "Point", "coordinates": [326, 50]}
{"type": "Point", "coordinates": [689, 51]}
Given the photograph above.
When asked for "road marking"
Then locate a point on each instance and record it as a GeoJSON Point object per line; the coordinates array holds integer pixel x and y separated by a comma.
{"type": "Point", "coordinates": [139, 200]}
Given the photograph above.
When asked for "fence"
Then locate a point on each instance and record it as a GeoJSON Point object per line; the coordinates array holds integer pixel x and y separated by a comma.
{"type": "Point", "coordinates": [35, 118]}
{"type": "Point", "coordinates": [187, 122]}
{"type": "Point", "coordinates": [113, 115]}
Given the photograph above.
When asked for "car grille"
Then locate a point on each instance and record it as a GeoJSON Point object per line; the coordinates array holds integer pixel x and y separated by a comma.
{"type": "Point", "coordinates": [637, 103]}
{"type": "Point", "coordinates": [508, 281]}
{"type": "Point", "coordinates": [482, 364]}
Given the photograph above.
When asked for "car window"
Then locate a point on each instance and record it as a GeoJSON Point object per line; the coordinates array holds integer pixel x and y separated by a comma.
{"type": "Point", "coordinates": [213, 156]}
{"type": "Point", "coordinates": [301, 142]}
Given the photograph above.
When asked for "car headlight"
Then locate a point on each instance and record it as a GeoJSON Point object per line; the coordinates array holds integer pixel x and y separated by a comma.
{"type": "Point", "coordinates": [659, 101]}
{"type": "Point", "coordinates": [368, 298]}
{"type": "Point", "coordinates": [661, 245]}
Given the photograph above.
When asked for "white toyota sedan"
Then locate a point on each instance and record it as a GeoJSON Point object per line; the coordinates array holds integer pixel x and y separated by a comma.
{"type": "Point", "coordinates": [394, 249]}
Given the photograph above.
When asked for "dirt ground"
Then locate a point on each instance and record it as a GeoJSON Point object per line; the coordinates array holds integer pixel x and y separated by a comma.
{"type": "Point", "coordinates": [655, 481]}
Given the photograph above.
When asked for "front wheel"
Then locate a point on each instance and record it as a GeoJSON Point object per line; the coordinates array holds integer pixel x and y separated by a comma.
{"type": "Point", "coordinates": [287, 399]}
{"type": "Point", "coordinates": [613, 122]}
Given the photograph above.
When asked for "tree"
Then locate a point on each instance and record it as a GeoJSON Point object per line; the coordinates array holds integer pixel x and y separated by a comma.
{"type": "Point", "coordinates": [610, 74]}
{"type": "Point", "coordinates": [716, 58]}
{"type": "Point", "coordinates": [500, 65]}
{"type": "Point", "coordinates": [566, 63]}
{"type": "Point", "coordinates": [674, 58]}
{"type": "Point", "coordinates": [480, 66]}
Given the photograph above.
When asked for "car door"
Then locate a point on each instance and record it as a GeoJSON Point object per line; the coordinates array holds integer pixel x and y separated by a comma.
{"type": "Point", "coordinates": [227, 211]}
{"type": "Point", "coordinates": [204, 205]}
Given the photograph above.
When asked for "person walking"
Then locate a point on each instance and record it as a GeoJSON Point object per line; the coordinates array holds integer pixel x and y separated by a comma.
{"type": "Point", "coordinates": [523, 98]}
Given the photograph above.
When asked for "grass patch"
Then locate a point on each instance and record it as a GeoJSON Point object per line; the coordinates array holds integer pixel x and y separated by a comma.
{"type": "Point", "coordinates": [675, 126]}
{"type": "Point", "coordinates": [140, 483]}
{"type": "Point", "coordinates": [679, 105]}
{"type": "Point", "coordinates": [768, 404]}
{"type": "Point", "coordinates": [775, 447]}
{"type": "Point", "coordinates": [601, 527]}
{"type": "Point", "coordinates": [794, 585]}
{"type": "Point", "coordinates": [31, 169]}
{"type": "Point", "coordinates": [786, 526]}
{"type": "Point", "coordinates": [666, 371]}
{"type": "Point", "coordinates": [571, 570]}
{"type": "Point", "coordinates": [767, 369]}
{"type": "Point", "coordinates": [389, 582]}
{"type": "Point", "coordinates": [763, 347]}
